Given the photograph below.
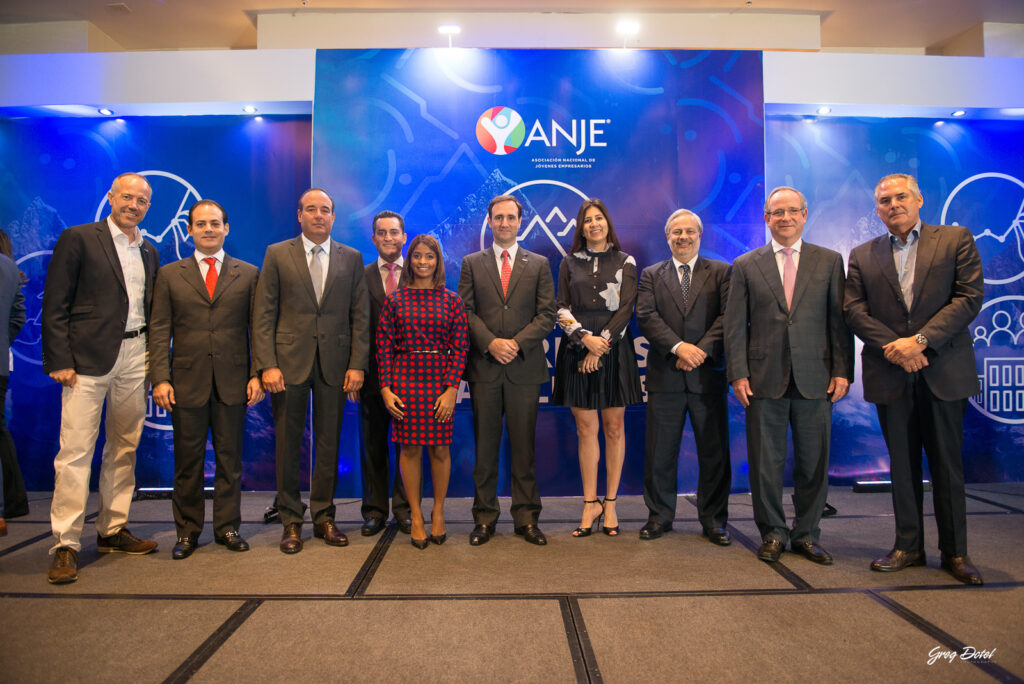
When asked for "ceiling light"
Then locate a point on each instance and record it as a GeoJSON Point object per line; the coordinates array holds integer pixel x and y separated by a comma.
{"type": "Point", "coordinates": [449, 29]}
{"type": "Point", "coordinates": [104, 111]}
{"type": "Point", "coordinates": [249, 109]}
{"type": "Point", "coordinates": [959, 113]}
{"type": "Point", "coordinates": [627, 27]}
{"type": "Point", "coordinates": [940, 122]}
{"type": "Point", "coordinates": [259, 118]}
{"type": "Point", "coordinates": [824, 109]}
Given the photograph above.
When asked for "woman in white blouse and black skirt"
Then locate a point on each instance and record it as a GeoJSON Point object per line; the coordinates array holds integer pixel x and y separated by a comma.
{"type": "Point", "coordinates": [595, 371]}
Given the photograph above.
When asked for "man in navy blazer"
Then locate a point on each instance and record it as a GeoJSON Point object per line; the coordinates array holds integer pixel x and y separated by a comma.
{"type": "Point", "coordinates": [789, 358]}
{"type": "Point", "coordinates": [911, 296]}
{"type": "Point", "coordinates": [310, 336]}
{"type": "Point", "coordinates": [96, 302]}
{"type": "Point", "coordinates": [202, 375]}
{"type": "Point", "coordinates": [680, 305]}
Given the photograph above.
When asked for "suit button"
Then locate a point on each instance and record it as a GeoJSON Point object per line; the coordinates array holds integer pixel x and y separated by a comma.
{"type": "Point", "coordinates": [506, 307]}
{"type": "Point", "coordinates": [789, 322]}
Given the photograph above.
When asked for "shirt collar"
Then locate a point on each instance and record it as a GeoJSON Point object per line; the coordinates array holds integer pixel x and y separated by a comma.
{"type": "Point", "coordinates": [912, 237]}
{"type": "Point", "coordinates": [219, 256]}
{"type": "Point", "coordinates": [692, 263]}
{"type": "Point", "coordinates": [512, 251]}
{"type": "Point", "coordinates": [309, 244]}
{"type": "Point", "coordinates": [115, 232]}
{"type": "Point", "coordinates": [797, 246]}
{"type": "Point", "coordinates": [381, 263]}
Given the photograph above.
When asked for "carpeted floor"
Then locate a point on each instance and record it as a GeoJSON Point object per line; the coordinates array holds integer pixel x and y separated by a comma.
{"type": "Point", "coordinates": [601, 608]}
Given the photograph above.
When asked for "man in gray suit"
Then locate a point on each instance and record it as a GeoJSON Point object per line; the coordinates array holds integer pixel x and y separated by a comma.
{"type": "Point", "coordinates": [789, 358]}
{"type": "Point", "coordinates": [201, 310]}
{"type": "Point", "coordinates": [911, 296]}
{"type": "Point", "coordinates": [310, 334]}
{"type": "Point", "coordinates": [680, 305]}
{"type": "Point", "coordinates": [510, 302]}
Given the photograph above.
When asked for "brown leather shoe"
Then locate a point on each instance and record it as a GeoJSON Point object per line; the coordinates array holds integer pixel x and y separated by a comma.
{"type": "Point", "coordinates": [124, 541]}
{"type": "Point", "coordinates": [896, 560]}
{"type": "Point", "coordinates": [63, 566]}
{"type": "Point", "coordinates": [961, 568]}
{"type": "Point", "coordinates": [331, 535]}
{"type": "Point", "coordinates": [291, 540]}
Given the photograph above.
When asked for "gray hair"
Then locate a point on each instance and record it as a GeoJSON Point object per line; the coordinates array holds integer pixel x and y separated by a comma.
{"type": "Point", "coordinates": [911, 183]}
{"type": "Point", "coordinates": [684, 212]}
{"type": "Point", "coordinates": [781, 188]}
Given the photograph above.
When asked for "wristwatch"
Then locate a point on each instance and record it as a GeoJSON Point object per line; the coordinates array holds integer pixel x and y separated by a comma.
{"type": "Point", "coordinates": [921, 339]}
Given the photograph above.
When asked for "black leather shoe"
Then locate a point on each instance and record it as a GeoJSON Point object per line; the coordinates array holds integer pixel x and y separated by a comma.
{"type": "Point", "coordinates": [654, 529]}
{"type": "Point", "coordinates": [896, 560]}
{"type": "Point", "coordinates": [232, 541]}
{"type": "Point", "coordinates": [291, 539]}
{"type": "Point", "coordinates": [718, 535]}
{"type": "Point", "coordinates": [771, 549]}
{"type": "Point", "coordinates": [372, 526]}
{"type": "Point", "coordinates": [812, 552]}
{"type": "Point", "coordinates": [183, 548]}
{"type": "Point", "coordinates": [331, 535]}
{"type": "Point", "coordinates": [961, 568]}
{"type": "Point", "coordinates": [481, 534]}
{"type": "Point", "coordinates": [404, 525]}
{"type": "Point", "coordinates": [532, 534]}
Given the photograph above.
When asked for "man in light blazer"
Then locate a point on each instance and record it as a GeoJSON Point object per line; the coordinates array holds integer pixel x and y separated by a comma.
{"type": "Point", "coordinates": [911, 296]}
{"type": "Point", "coordinates": [789, 358]}
{"type": "Point", "coordinates": [310, 334]}
{"type": "Point", "coordinates": [679, 307]}
{"type": "Point", "coordinates": [201, 311]}
{"type": "Point", "coordinates": [510, 302]}
{"type": "Point", "coordinates": [96, 303]}
{"type": "Point", "coordinates": [382, 276]}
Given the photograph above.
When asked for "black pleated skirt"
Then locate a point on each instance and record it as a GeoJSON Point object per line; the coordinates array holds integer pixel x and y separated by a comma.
{"type": "Point", "coordinates": [615, 383]}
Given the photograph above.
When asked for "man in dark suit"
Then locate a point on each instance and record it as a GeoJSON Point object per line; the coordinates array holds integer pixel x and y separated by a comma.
{"type": "Point", "coordinates": [680, 304]}
{"type": "Point", "coordinates": [789, 358]}
{"type": "Point", "coordinates": [310, 334]}
{"type": "Point", "coordinates": [910, 296]}
{"type": "Point", "coordinates": [201, 310]}
{"type": "Point", "coordinates": [12, 307]}
{"type": "Point", "coordinates": [381, 280]}
{"type": "Point", "coordinates": [96, 302]}
{"type": "Point", "coordinates": [510, 303]}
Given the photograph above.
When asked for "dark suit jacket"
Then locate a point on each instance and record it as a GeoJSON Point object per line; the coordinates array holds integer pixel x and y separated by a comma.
{"type": "Point", "coordinates": [949, 289]}
{"type": "Point", "coordinates": [290, 329]}
{"type": "Point", "coordinates": [665, 320]}
{"type": "Point", "coordinates": [375, 290]}
{"type": "Point", "coordinates": [210, 338]}
{"type": "Point", "coordinates": [526, 315]}
{"type": "Point", "coordinates": [85, 300]}
{"type": "Point", "coordinates": [759, 328]}
{"type": "Point", "coordinates": [12, 304]}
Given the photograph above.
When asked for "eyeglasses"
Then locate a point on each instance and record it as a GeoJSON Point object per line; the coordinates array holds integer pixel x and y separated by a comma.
{"type": "Point", "coordinates": [139, 199]}
{"type": "Point", "coordinates": [779, 213]}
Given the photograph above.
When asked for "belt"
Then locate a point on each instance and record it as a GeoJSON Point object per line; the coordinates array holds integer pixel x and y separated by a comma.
{"type": "Point", "coordinates": [132, 334]}
{"type": "Point", "coordinates": [423, 351]}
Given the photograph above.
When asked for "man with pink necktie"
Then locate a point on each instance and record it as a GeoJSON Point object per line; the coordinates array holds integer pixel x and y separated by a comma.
{"type": "Point", "coordinates": [381, 280]}
{"type": "Point", "coordinates": [789, 358]}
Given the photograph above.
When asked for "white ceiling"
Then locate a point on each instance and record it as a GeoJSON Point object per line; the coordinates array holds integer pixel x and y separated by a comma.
{"type": "Point", "coordinates": [192, 24]}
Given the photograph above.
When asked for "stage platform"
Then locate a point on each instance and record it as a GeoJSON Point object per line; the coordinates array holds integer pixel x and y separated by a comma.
{"type": "Point", "coordinates": [601, 608]}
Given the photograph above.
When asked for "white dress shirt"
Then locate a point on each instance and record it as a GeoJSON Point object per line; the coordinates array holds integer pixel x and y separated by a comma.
{"type": "Point", "coordinates": [780, 258]}
{"type": "Point", "coordinates": [325, 257]}
{"type": "Point", "coordinates": [204, 267]}
{"type": "Point", "coordinates": [129, 253]}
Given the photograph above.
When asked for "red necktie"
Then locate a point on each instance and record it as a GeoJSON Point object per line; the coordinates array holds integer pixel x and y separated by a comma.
{"type": "Point", "coordinates": [211, 275]}
{"type": "Point", "coordinates": [506, 271]}
{"type": "Point", "coordinates": [788, 274]}
{"type": "Point", "coordinates": [391, 282]}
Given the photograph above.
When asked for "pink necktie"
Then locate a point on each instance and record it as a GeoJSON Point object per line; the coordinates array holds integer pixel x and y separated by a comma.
{"type": "Point", "coordinates": [506, 271]}
{"type": "Point", "coordinates": [391, 282]}
{"type": "Point", "coordinates": [788, 274]}
{"type": "Point", "coordinates": [211, 275]}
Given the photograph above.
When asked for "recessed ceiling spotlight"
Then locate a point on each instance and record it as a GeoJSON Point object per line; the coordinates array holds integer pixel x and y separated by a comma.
{"type": "Point", "coordinates": [104, 111]}
{"type": "Point", "coordinates": [959, 113]}
{"type": "Point", "coordinates": [824, 109]}
{"type": "Point", "coordinates": [940, 122]}
{"type": "Point", "coordinates": [249, 109]}
{"type": "Point", "coordinates": [449, 29]}
{"type": "Point", "coordinates": [627, 27]}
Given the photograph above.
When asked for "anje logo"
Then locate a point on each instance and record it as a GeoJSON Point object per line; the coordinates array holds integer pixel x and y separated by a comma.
{"type": "Point", "coordinates": [500, 130]}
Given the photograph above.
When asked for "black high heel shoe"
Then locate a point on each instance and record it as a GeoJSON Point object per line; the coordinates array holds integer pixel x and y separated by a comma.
{"type": "Point", "coordinates": [610, 531]}
{"type": "Point", "coordinates": [419, 543]}
{"type": "Point", "coordinates": [438, 539]}
{"type": "Point", "coordinates": [586, 531]}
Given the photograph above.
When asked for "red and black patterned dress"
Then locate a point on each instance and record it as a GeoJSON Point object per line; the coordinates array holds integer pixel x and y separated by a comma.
{"type": "Point", "coordinates": [422, 341]}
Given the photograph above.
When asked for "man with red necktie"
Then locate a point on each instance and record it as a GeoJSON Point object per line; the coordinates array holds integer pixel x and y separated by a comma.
{"type": "Point", "coordinates": [202, 374]}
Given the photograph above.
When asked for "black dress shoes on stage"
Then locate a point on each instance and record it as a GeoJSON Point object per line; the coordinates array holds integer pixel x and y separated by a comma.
{"type": "Point", "coordinates": [232, 541]}
{"type": "Point", "coordinates": [654, 529]}
{"type": "Point", "coordinates": [896, 560]}
{"type": "Point", "coordinates": [331, 535]}
{"type": "Point", "coordinates": [961, 568]}
{"type": "Point", "coordinates": [812, 552]}
{"type": "Point", "coordinates": [771, 549]}
{"type": "Point", "coordinates": [183, 548]}
{"type": "Point", "coordinates": [404, 525]}
{"type": "Point", "coordinates": [532, 534]}
{"type": "Point", "coordinates": [481, 534]}
{"type": "Point", "coordinates": [372, 526]}
{"type": "Point", "coordinates": [718, 535]}
{"type": "Point", "coordinates": [291, 538]}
